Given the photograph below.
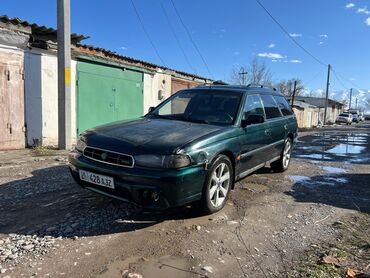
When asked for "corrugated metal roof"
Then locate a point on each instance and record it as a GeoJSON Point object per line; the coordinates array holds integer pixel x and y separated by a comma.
{"type": "Point", "coordinates": [316, 101]}
{"type": "Point", "coordinates": [93, 50]}
{"type": "Point", "coordinates": [39, 29]}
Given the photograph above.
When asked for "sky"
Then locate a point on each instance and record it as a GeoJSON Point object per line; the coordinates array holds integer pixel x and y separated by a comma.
{"type": "Point", "coordinates": [227, 34]}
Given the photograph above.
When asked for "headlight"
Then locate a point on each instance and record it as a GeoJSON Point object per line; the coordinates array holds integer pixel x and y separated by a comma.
{"type": "Point", "coordinates": [81, 144]}
{"type": "Point", "coordinates": [163, 161]}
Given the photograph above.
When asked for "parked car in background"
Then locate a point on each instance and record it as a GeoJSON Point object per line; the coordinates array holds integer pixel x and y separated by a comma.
{"type": "Point", "coordinates": [345, 118]}
{"type": "Point", "coordinates": [362, 116]}
{"type": "Point", "coordinates": [367, 117]}
{"type": "Point", "coordinates": [192, 147]}
{"type": "Point", "coordinates": [355, 115]}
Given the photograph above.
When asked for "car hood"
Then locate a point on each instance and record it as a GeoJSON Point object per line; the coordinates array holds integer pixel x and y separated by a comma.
{"type": "Point", "coordinates": [143, 136]}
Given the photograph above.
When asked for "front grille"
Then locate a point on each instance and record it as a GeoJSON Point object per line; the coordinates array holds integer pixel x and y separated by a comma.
{"type": "Point", "coordinates": [109, 157]}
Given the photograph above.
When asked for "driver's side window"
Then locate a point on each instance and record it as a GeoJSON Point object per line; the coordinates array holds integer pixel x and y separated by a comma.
{"type": "Point", "coordinates": [253, 106]}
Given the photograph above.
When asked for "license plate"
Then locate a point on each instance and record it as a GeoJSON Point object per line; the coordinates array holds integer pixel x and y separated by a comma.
{"type": "Point", "coordinates": [97, 179]}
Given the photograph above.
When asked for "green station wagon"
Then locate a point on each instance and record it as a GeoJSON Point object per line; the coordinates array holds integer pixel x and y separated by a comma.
{"type": "Point", "coordinates": [192, 147]}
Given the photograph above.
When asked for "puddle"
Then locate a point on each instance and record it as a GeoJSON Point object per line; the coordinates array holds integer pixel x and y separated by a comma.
{"type": "Point", "coordinates": [333, 170]}
{"type": "Point", "coordinates": [167, 266]}
{"type": "Point", "coordinates": [346, 149]}
{"type": "Point", "coordinates": [314, 156]}
{"type": "Point", "coordinates": [299, 178]}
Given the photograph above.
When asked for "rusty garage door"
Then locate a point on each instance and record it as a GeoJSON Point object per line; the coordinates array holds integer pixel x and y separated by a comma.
{"type": "Point", "coordinates": [181, 84]}
{"type": "Point", "coordinates": [12, 135]}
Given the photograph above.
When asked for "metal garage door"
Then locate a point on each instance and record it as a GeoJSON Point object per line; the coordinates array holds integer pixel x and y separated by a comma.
{"type": "Point", "coordinates": [106, 94]}
{"type": "Point", "coordinates": [180, 84]}
{"type": "Point", "coordinates": [12, 131]}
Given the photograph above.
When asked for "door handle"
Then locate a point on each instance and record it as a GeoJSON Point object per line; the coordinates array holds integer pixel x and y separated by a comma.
{"type": "Point", "coordinates": [267, 132]}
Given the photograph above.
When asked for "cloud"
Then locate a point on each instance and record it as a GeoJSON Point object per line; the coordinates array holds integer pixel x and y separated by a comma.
{"type": "Point", "coordinates": [321, 43]}
{"type": "Point", "coordinates": [123, 48]}
{"type": "Point", "coordinates": [295, 61]}
{"type": "Point", "coordinates": [271, 55]}
{"type": "Point", "coordinates": [324, 36]}
{"type": "Point", "coordinates": [295, 35]}
{"type": "Point", "coordinates": [271, 45]}
{"type": "Point", "coordinates": [367, 21]}
{"type": "Point", "coordinates": [352, 79]}
{"type": "Point", "coordinates": [350, 5]}
{"type": "Point", "coordinates": [236, 53]}
{"type": "Point", "coordinates": [363, 10]}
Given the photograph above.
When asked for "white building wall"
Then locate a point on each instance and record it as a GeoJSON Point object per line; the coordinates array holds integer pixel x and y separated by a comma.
{"type": "Point", "coordinates": [153, 84]}
{"type": "Point", "coordinates": [42, 98]}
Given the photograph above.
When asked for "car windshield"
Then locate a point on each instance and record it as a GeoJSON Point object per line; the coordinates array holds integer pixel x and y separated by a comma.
{"type": "Point", "coordinates": [344, 115]}
{"type": "Point", "coordinates": [214, 107]}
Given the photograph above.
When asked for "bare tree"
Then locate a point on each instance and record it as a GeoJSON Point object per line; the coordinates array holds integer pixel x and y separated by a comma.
{"type": "Point", "coordinates": [287, 87]}
{"type": "Point", "coordinates": [255, 72]}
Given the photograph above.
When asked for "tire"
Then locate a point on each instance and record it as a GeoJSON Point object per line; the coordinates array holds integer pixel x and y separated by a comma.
{"type": "Point", "coordinates": [282, 164]}
{"type": "Point", "coordinates": [216, 191]}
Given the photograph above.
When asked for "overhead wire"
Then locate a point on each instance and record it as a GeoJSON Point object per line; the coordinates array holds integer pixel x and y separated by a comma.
{"type": "Point", "coordinates": [191, 39]}
{"type": "Point", "coordinates": [177, 38]}
{"type": "Point", "coordinates": [147, 34]}
{"type": "Point", "coordinates": [289, 36]}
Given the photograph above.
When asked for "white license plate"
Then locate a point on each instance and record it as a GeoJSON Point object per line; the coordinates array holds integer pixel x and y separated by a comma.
{"type": "Point", "coordinates": [97, 179]}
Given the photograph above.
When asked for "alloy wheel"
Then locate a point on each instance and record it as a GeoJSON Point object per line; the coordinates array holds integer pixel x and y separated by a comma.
{"type": "Point", "coordinates": [219, 184]}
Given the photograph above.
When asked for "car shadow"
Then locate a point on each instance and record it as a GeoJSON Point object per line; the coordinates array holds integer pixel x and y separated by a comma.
{"type": "Point", "coordinates": [348, 191]}
{"type": "Point", "coordinates": [49, 202]}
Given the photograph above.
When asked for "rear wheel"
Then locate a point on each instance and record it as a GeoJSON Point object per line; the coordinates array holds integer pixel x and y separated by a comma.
{"type": "Point", "coordinates": [218, 184]}
{"type": "Point", "coordinates": [282, 163]}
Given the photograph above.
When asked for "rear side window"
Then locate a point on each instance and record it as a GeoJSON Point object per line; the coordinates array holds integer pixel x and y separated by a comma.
{"type": "Point", "coordinates": [253, 106]}
{"type": "Point", "coordinates": [271, 108]}
{"type": "Point", "coordinates": [283, 105]}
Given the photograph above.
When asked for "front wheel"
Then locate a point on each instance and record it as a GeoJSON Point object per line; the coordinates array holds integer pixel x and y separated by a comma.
{"type": "Point", "coordinates": [282, 163]}
{"type": "Point", "coordinates": [218, 184]}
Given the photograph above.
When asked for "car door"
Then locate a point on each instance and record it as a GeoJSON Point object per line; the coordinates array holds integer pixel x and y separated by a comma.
{"type": "Point", "coordinates": [275, 126]}
{"type": "Point", "coordinates": [254, 137]}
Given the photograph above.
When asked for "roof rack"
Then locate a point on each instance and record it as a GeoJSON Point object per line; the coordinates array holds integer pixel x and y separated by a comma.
{"type": "Point", "coordinates": [260, 86]}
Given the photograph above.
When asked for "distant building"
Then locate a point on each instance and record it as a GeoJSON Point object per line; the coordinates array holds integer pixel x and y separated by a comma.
{"type": "Point", "coordinates": [106, 86]}
{"type": "Point", "coordinates": [310, 110]}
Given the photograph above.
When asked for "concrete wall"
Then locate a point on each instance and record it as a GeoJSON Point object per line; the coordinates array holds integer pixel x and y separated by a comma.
{"type": "Point", "coordinates": [152, 85]}
{"type": "Point", "coordinates": [42, 98]}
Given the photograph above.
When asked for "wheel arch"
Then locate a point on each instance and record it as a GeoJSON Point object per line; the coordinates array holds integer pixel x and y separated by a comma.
{"type": "Point", "coordinates": [231, 156]}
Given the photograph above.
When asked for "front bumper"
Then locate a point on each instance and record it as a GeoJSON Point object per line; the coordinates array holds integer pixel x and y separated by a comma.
{"type": "Point", "coordinates": [150, 188]}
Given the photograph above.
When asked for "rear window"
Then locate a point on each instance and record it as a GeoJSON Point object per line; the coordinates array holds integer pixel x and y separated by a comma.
{"type": "Point", "coordinates": [271, 108]}
{"type": "Point", "coordinates": [283, 105]}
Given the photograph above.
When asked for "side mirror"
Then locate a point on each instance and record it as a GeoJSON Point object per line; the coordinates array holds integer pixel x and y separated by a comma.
{"type": "Point", "coordinates": [150, 110]}
{"type": "Point", "coordinates": [252, 119]}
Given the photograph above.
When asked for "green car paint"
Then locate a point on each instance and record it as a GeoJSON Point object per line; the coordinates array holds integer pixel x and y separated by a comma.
{"type": "Point", "coordinates": [248, 147]}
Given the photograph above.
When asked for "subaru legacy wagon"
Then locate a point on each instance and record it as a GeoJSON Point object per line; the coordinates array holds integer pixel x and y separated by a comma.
{"type": "Point", "coordinates": [192, 147]}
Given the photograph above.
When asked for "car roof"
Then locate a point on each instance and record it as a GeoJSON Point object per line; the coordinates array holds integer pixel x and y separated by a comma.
{"type": "Point", "coordinates": [261, 89]}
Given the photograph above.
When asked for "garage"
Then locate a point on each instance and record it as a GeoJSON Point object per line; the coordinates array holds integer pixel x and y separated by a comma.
{"type": "Point", "coordinates": [181, 84]}
{"type": "Point", "coordinates": [12, 123]}
{"type": "Point", "coordinates": [107, 93]}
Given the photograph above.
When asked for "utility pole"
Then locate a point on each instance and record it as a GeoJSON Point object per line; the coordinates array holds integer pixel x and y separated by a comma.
{"type": "Point", "coordinates": [350, 98]}
{"type": "Point", "coordinates": [294, 89]}
{"type": "Point", "coordinates": [327, 94]}
{"type": "Point", "coordinates": [243, 73]}
{"type": "Point", "coordinates": [64, 75]}
{"type": "Point", "coordinates": [356, 103]}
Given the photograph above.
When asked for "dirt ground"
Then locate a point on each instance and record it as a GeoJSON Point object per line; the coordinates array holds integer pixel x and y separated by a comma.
{"type": "Point", "coordinates": [311, 221]}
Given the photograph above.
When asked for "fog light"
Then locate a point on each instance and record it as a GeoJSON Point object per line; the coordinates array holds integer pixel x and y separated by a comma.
{"type": "Point", "coordinates": [155, 196]}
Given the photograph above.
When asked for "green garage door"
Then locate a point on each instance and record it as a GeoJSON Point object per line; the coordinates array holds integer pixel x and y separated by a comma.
{"type": "Point", "coordinates": [106, 94]}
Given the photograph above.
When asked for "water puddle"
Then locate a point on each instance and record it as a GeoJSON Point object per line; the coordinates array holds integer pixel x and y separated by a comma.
{"type": "Point", "coordinates": [301, 179]}
{"type": "Point", "coordinates": [333, 170]}
{"type": "Point", "coordinates": [346, 149]}
{"type": "Point", "coordinates": [167, 266]}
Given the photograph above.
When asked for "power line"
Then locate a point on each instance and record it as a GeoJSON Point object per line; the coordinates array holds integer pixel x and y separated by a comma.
{"type": "Point", "coordinates": [314, 77]}
{"type": "Point", "coordinates": [146, 33]}
{"type": "Point", "coordinates": [288, 34]}
{"type": "Point", "coordinates": [349, 81]}
{"type": "Point", "coordinates": [340, 81]}
{"type": "Point", "coordinates": [191, 39]}
{"type": "Point", "coordinates": [177, 39]}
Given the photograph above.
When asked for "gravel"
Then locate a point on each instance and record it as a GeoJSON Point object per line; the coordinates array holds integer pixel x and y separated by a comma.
{"type": "Point", "coordinates": [16, 246]}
